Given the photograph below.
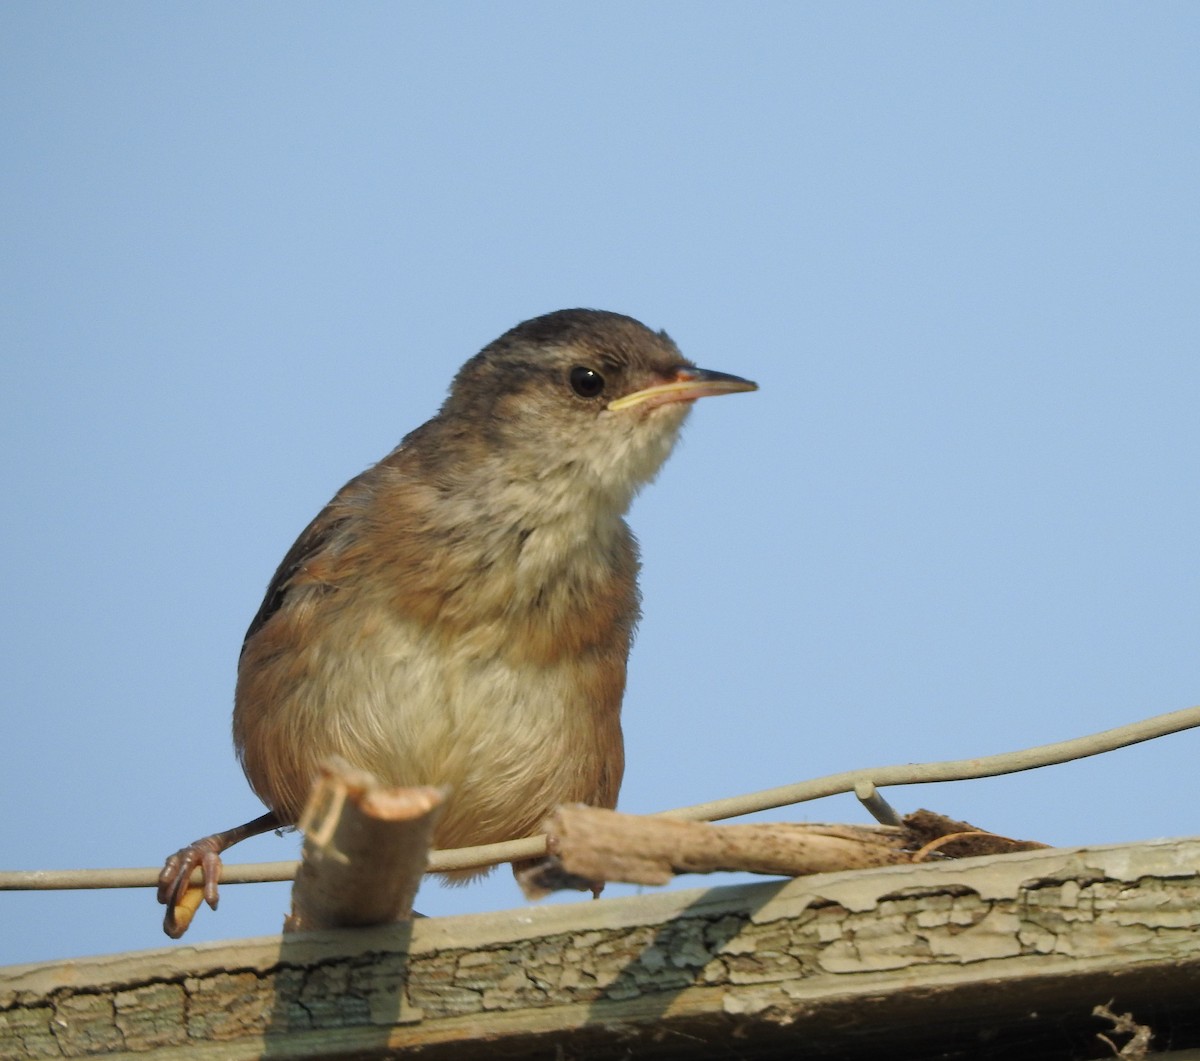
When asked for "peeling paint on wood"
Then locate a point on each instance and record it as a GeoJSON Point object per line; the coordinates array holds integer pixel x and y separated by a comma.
{"type": "Point", "coordinates": [597, 977]}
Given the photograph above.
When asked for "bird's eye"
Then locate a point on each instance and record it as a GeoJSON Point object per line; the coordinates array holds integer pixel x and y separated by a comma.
{"type": "Point", "coordinates": [586, 382]}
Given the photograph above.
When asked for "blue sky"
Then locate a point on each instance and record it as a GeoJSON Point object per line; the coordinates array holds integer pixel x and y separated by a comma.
{"type": "Point", "coordinates": [247, 246]}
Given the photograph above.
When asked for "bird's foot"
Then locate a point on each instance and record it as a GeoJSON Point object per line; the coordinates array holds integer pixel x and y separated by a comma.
{"type": "Point", "coordinates": [539, 877]}
{"type": "Point", "coordinates": [175, 889]}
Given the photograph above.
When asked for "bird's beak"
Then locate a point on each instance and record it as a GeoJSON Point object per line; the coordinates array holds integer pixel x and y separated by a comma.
{"type": "Point", "coordinates": [688, 385]}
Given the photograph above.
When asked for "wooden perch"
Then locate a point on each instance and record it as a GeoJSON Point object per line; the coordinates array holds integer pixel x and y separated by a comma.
{"type": "Point", "coordinates": [1001, 957]}
{"type": "Point", "coordinates": [603, 845]}
{"type": "Point", "coordinates": [365, 850]}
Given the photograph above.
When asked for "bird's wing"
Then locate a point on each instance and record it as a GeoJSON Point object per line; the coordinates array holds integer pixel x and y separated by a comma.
{"type": "Point", "coordinates": [316, 542]}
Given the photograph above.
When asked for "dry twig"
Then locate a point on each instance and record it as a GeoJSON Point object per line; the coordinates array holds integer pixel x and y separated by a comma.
{"type": "Point", "coordinates": [1138, 1046]}
{"type": "Point", "coordinates": [603, 845]}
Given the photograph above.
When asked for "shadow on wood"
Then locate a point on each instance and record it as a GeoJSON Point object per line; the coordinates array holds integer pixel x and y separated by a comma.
{"type": "Point", "coordinates": [992, 957]}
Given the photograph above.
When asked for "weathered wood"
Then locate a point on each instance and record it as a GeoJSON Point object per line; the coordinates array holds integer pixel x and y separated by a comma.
{"type": "Point", "coordinates": [604, 845]}
{"type": "Point", "coordinates": [595, 844]}
{"type": "Point", "coordinates": [1000, 956]}
{"type": "Point", "coordinates": [366, 847]}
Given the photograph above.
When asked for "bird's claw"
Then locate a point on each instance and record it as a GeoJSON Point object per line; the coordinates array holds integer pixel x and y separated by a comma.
{"type": "Point", "coordinates": [538, 877]}
{"type": "Point", "coordinates": [175, 889]}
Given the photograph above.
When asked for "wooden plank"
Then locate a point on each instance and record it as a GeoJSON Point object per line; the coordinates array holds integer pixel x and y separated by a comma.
{"type": "Point", "coordinates": [994, 956]}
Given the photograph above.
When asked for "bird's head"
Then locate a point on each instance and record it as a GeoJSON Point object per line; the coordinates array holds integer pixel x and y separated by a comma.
{"type": "Point", "coordinates": [580, 395]}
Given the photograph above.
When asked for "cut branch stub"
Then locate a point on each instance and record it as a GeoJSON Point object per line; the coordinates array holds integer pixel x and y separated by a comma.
{"type": "Point", "coordinates": [365, 849]}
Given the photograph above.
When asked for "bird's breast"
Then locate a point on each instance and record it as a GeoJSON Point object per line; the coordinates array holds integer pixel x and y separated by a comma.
{"type": "Point", "coordinates": [515, 716]}
{"type": "Point", "coordinates": [527, 591]}
{"type": "Point", "coordinates": [488, 655]}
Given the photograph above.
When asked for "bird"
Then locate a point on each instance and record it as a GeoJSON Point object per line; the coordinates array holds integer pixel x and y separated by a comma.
{"type": "Point", "coordinates": [461, 613]}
